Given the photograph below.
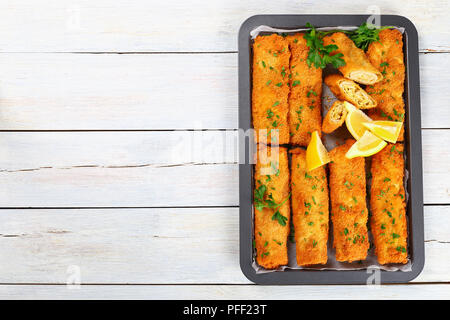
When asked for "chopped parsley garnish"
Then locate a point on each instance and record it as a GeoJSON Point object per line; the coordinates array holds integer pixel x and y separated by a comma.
{"type": "Point", "coordinates": [349, 185]}
{"type": "Point", "coordinates": [280, 218]}
{"type": "Point", "coordinates": [261, 201]}
{"type": "Point", "coordinates": [295, 83]}
{"type": "Point", "coordinates": [401, 249]}
{"type": "Point", "coordinates": [277, 242]}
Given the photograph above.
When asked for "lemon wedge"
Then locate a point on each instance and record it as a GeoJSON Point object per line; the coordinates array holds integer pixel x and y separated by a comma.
{"type": "Point", "coordinates": [386, 130]}
{"type": "Point", "coordinates": [355, 119]}
{"type": "Point", "coordinates": [367, 145]}
{"type": "Point", "coordinates": [316, 153]}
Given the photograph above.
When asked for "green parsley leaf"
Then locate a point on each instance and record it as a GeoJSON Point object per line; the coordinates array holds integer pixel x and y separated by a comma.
{"type": "Point", "coordinates": [318, 54]}
{"type": "Point", "coordinates": [280, 218]}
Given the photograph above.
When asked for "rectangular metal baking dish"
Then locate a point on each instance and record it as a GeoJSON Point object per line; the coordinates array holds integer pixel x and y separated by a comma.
{"type": "Point", "coordinates": [413, 147]}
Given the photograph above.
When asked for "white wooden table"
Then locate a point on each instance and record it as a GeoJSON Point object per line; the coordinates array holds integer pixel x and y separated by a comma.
{"type": "Point", "coordinates": [98, 100]}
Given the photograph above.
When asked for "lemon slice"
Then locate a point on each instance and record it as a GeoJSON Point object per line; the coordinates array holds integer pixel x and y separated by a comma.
{"type": "Point", "coordinates": [387, 130]}
{"type": "Point", "coordinates": [367, 145]}
{"type": "Point", "coordinates": [355, 119]}
{"type": "Point", "coordinates": [316, 154]}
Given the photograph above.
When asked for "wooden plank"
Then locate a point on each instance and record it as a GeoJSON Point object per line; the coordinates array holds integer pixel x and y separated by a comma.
{"type": "Point", "coordinates": [151, 246]}
{"type": "Point", "coordinates": [155, 26]}
{"type": "Point", "coordinates": [226, 292]}
{"type": "Point", "coordinates": [133, 92]}
{"type": "Point", "coordinates": [148, 169]}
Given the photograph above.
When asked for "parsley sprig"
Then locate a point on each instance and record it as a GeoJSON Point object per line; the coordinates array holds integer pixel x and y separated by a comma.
{"type": "Point", "coordinates": [318, 54]}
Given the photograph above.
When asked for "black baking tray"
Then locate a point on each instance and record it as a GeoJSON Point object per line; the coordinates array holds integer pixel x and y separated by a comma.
{"type": "Point", "coordinates": [413, 147]}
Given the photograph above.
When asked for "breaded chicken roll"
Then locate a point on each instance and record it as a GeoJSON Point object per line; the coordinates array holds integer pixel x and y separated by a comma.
{"type": "Point", "coordinates": [309, 210]}
{"type": "Point", "coordinates": [335, 116]}
{"type": "Point", "coordinates": [387, 56]}
{"type": "Point", "coordinates": [271, 204]}
{"type": "Point", "coordinates": [357, 67]}
{"type": "Point", "coordinates": [348, 204]}
{"type": "Point", "coordinates": [388, 206]}
{"type": "Point", "coordinates": [270, 89]}
{"type": "Point", "coordinates": [348, 90]}
{"type": "Point", "coordinates": [306, 92]}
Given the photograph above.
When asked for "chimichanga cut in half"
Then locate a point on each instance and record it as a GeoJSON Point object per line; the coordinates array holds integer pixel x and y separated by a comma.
{"type": "Point", "coordinates": [310, 211]}
{"type": "Point", "coordinates": [272, 210]}
{"type": "Point", "coordinates": [335, 116]}
{"type": "Point", "coordinates": [270, 89]}
{"type": "Point", "coordinates": [357, 65]}
{"type": "Point", "coordinates": [346, 89]}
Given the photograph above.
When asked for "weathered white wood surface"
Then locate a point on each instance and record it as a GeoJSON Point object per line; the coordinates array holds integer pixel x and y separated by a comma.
{"type": "Point", "coordinates": [149, 169]}
{"type": "Point", "coordinates": [195, 25]}
{"type": "Point", "coordinates": [228, 292]}
{"type": "Point", "coordinates": [142, 91]}
{"type": "Point", "coordinates": [151, 246]}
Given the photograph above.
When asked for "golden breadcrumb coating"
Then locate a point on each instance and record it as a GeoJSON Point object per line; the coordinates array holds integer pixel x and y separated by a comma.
{"type": "Point", "coordinates": [272, 224]}
{"type": "Point", "coordinates": [309, 210]}
{"type": "Point", "coordinates": [305, 99]}
{"type": "Point", "coordinates": [387, 56]}
{"type": "Point", "coordinates": [270, 89]}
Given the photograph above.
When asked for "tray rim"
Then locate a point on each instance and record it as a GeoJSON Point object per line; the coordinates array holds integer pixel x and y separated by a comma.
{"type": "Point", "coordinates": [413, 146]}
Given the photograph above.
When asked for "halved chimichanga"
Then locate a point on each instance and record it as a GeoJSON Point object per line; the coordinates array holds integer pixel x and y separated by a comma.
{"type": "Point", "coordinates": [348, 90]}
{"type": "Point", "coordinates": [357, 67]}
